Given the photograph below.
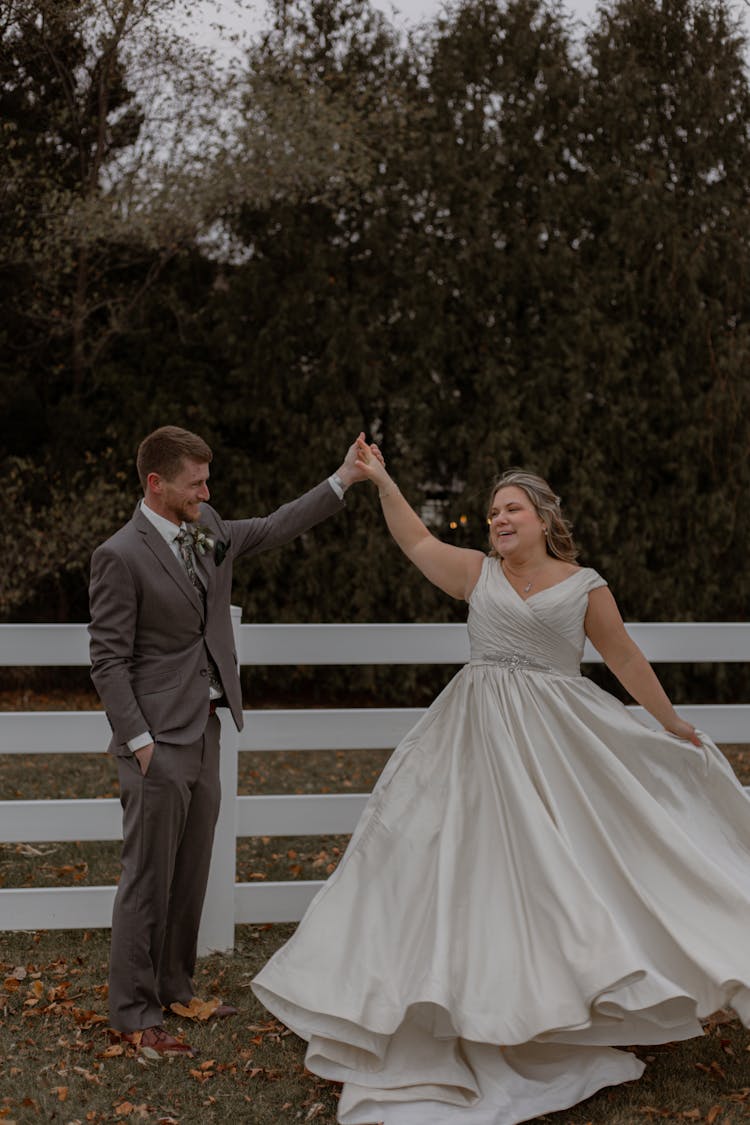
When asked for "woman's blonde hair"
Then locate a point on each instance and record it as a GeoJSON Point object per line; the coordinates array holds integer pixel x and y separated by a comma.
{"type": "Point", "coordinates": [559, 536]}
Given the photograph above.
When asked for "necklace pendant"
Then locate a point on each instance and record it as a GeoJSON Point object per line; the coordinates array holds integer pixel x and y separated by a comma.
{"type": "Point", "coordinates": [527, 587]}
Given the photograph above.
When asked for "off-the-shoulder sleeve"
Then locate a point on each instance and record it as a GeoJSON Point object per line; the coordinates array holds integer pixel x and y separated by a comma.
{"type": "Point", "coordinates": [592, 580]}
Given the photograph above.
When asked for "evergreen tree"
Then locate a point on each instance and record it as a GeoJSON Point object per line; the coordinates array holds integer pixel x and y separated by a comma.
{"type": "Point", "coordinates": [476, 243]}
{"type": "Point", "coordinates": [663, 335]}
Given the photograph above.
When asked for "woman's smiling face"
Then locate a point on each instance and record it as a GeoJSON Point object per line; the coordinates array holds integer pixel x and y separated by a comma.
{"type": "Point", "coordinates": [515, 525]}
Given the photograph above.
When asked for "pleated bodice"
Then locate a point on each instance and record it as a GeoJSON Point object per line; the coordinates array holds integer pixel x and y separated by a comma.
{"type": "Point", "coordinates": [543, 633]}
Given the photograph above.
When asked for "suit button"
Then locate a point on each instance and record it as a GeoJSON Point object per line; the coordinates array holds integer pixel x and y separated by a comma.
{"type": "Point", "coordinates": [204, 671]}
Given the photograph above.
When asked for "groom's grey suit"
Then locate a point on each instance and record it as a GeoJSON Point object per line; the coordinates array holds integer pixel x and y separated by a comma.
{"type": "Point", "coordinates": [151, 634]}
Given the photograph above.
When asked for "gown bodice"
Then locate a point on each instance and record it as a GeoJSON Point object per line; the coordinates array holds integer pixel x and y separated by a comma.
{"type": "Point", "coordinates": [544, 633]}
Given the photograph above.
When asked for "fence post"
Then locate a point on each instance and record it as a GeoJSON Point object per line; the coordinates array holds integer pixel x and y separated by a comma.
{"type": "Point", "coordinates": [216, 932]}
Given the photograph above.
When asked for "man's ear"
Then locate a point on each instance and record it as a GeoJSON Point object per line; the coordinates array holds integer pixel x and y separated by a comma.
{"type": "Point", "coordinates": [154, 483]}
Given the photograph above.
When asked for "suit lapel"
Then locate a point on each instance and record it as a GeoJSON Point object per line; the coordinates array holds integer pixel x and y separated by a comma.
{"type": "Point", "coordinates": [168, 560]}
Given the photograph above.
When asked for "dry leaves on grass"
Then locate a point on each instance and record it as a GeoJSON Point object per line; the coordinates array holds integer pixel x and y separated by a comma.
{"type": "Point", "coordinates": [197, 1009]}
{"type": "Point", "coordinates": [127, 1109]}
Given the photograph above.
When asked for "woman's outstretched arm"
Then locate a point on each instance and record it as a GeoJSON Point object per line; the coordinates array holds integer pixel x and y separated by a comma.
{"type": "Point", "coordinates": [605, 629]}
{"type": "Point", "coordinates": [453, 569]}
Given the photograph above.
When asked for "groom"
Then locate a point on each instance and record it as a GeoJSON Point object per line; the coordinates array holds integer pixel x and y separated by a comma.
{"type": "Point", "coordinates": [162, 660]}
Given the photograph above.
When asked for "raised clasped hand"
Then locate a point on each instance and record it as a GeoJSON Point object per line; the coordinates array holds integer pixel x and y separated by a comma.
{"type": "Point", "coordinates": [370, 461]}
{"type": "Point", "coordinates": [351, 469]}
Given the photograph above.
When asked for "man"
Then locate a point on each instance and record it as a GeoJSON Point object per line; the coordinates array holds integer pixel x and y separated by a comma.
{"type": "Point", "coordinates": [162, 660]}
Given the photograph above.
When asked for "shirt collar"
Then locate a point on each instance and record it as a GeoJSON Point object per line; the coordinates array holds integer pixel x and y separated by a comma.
{"type": "Point", "coordinates": [168, 530]}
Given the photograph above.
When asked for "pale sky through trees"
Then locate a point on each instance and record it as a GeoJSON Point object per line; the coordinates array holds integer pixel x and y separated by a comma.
{"type": "Point", "coordinates": [402, 13]}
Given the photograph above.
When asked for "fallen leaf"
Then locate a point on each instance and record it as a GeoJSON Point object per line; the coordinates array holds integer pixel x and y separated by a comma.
{"type": "Point", "coordinates": [61, 1091]}
{"type": "Point", "coordinates": [124, 1109]}
{"type": "Point", "coordinates": [712, 1114]}
{"type": "Point", "coordinates": [723, 1015]}
{"type": "Point", "coordinates": [88, 1074]}
{"type": "Point", "coordinates": [86, 1019]}
{"type": "Point", "coordinates": [197, 1009]}
{"type": "Point", "coordinates": [112, 1051]}
{"type": "Point", "coordinates": [201, 1075]}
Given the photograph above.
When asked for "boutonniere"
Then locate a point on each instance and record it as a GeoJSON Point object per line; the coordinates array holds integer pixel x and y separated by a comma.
{"type": "Point", "coordinates": [220, 552]}
{"type": "Point", "coordinates": [202, 539]}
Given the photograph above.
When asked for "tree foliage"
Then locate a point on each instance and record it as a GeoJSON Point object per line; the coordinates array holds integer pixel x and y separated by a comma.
{"type": "Point", "coordinates": [485, 243]}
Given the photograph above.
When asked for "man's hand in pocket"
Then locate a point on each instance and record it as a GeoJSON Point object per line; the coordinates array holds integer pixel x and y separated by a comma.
{"type": "Point", "coordinates": [144, 757]}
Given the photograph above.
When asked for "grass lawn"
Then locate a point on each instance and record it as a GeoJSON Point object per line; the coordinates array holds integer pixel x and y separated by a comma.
{"type": "Point", "coordinates": [56, 1060]}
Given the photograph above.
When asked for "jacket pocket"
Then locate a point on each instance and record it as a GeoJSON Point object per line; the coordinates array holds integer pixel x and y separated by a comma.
{"type": "Point", "coordinates": [149, 685]}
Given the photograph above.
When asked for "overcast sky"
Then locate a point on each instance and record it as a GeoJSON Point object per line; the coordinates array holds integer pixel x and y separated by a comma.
{"type": "Point", "coordinates": [410, 10]}
{"type": "Point", "coordinates": [401, 12]}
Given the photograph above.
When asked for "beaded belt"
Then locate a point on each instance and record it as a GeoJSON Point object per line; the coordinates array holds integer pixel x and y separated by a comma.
{"type": "Point", "coordinates": [512, 661]}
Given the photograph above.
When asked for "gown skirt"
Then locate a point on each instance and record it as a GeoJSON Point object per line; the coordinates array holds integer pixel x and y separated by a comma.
{"type": "Point", "coordinates": [537, 882]}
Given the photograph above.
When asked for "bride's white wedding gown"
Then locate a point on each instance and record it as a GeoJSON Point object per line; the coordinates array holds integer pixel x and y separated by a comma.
{"type": "Point", "coordinates": [537, 880]}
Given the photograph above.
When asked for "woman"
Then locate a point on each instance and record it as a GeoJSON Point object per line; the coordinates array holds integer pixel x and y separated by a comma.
{"type": "Point", "coordinates": [537, 879]}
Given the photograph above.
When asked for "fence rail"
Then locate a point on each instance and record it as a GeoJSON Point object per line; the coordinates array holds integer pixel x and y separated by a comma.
{"type": "Point", "coordinates": [679, 642]}
{"type": "Point", "coordinates": [227, 902]}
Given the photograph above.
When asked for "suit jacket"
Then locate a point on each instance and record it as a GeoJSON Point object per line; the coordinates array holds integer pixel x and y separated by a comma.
{"type": "Point", "coordinates": [149, 632]}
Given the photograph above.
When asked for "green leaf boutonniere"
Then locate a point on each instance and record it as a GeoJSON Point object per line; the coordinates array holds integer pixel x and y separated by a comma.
{"type": "Point", "coordinates": [202, 539]}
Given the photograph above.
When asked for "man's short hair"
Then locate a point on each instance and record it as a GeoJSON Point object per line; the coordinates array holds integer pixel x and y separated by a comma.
{"type": "Point", "coordinates": [166, 449]}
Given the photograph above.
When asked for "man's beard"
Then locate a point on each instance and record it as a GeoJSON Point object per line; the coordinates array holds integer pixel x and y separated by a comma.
{"type": "Point", "coordinates": [184, 514]}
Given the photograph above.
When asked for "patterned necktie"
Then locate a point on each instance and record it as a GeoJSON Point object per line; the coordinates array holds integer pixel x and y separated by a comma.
{"type": "Point", "coordinates": [183, 541]}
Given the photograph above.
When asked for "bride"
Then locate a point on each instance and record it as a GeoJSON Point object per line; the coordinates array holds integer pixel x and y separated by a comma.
{"type": "Point", "coordinates": [538, 880]}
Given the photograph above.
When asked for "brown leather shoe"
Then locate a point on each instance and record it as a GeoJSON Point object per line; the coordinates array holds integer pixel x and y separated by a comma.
{"type": "Point", "coordinates": [155, 1041]}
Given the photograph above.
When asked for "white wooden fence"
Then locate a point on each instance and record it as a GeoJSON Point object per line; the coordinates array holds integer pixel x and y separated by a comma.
{"type": "Point", "coordinates": [228, 902]}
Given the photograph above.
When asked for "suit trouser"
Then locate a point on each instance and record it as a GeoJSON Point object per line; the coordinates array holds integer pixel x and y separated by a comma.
{"type": "Point", "coordinates": [169, 818]}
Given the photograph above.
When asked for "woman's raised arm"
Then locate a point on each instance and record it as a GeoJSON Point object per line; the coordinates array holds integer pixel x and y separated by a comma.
{"type": "Point", "coordinates": [453, 569]}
